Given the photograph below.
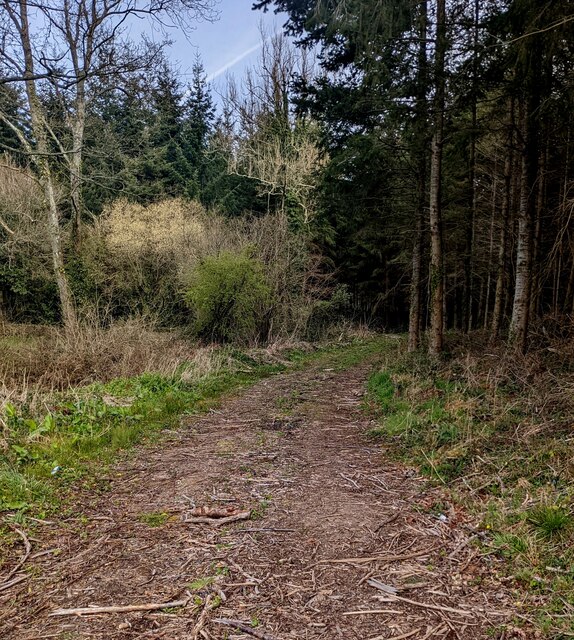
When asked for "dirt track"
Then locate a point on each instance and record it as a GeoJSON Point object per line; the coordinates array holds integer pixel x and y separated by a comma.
{"type": "Point", "coordinates": [330, 516]}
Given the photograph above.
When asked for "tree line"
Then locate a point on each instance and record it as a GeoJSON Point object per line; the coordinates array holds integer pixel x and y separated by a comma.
{"type": "Point", "coordinates": [420, 149]}
{"type": "Point", "coordinates": [448, 126]}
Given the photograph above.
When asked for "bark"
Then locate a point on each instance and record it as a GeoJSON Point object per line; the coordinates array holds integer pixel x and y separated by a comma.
{"type": "Point", "coordinates": [415, 310]}
{"type": "Point", "coordinates": [468, 256]}
{"type": "Point", "coordinates": [436, 337]}
{"type": "Point", "coordinates": [540, 198]}
{"type": "Point", "coordinates": [501, 277]}
{"type": "Point", "coordinates": [524, 253]}
{"type": "Point", "coordinates": [490, 252]}
{"type": "Point", "coordinates": [68, 311]}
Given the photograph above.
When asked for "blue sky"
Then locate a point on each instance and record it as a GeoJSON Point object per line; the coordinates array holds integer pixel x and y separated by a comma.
{"type": "Point", "coordinates": [229, 45]}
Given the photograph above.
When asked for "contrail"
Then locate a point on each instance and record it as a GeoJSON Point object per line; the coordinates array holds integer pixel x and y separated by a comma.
{"type": "Point", "coordinates": [228, 65]}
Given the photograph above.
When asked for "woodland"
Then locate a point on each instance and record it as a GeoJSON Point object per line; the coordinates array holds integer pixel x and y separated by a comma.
{"type": "Point", "coordinates": [388, 190]}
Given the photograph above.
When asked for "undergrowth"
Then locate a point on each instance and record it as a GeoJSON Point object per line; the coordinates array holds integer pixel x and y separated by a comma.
{"type": "Point", "coordinates": [486, 430]}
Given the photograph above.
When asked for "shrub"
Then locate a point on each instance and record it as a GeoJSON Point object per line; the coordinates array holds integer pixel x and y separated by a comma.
{"type": "Point", "coordinates": [229, 297]}
{"type": "Point", "coordinates": [326, 313]}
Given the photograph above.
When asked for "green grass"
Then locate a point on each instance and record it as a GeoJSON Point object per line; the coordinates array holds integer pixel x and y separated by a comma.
{"type": "Point", "coordinates": [154, 519]}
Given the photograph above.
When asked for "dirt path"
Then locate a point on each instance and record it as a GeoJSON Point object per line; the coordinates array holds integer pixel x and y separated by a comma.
{"type": "Point", "coordinates": [331, 515]}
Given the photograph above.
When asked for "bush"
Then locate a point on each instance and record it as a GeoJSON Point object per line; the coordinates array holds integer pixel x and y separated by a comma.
{"type": "Point", "coordinates": [325, 313]}
{"type": "Point", "coordinates": [229, 297]}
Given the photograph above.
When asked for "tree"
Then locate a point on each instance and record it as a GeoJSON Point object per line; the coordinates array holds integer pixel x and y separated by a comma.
{"type": "Point", "coordinates": [68, 47]}
{"type": "Point", "coordinates": [197, 127]}
{"type": "Point", "coordinates": [435, 207]}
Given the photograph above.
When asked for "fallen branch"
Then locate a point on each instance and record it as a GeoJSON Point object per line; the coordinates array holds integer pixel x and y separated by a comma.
{"type": "Point", "coordinates": [401, 637]}
{"type": "Point", "coordinates": [361, 612]}
{"type": "Point", "coordinates": [246, 628]}
{"type": "Point", "coordinates": [217, 522]}
{"type": "Point", "coordinates": [13, 582]}
{"type": "Point", "coordinates": [25, 556]}
{"type": "Point", "coordinates": [119, 609]}
{"type": "Point", "coordinates": [202, 618]}
{"type": "Point", "coordinates": [264, 530]}
{"type": "Point", "coordinates": [406, 556]}
{"type": "Point", "coordinates": [434, 607]}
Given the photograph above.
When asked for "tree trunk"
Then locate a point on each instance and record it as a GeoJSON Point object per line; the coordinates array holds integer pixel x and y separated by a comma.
{"type": "Point", "coordinates": [76, 159]}
{"type": "Point", "coordinates": [524, 253]}
{"type": "Point", "coordinates": [415, 310]}
{"type": "Point", "coordinates": [501, 279]}
{"type": "Point", "coordinates": [468, 254]}
{"type": "Point", "coordinates": [41, 159]}
{"type": "Point", "coordinates": [436, 337]}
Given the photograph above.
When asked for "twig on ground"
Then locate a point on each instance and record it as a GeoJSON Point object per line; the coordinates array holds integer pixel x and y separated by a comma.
{"type": "Point", "coordinates": [120, 609]}
{"type": "Point", "coordinates": [461, 546]}
{"type": "Point", "coordinates": [13, 582]}
{"type": "Point", "coordinates": [202, 618]}
{"type": "Point", "coordinates": [361, 612]}
{"type": "Point", "coordinates": [20, 563]}
{"type": "Point", "coordinates": [434, 607]}
{"type": "Point", "coordinates": [264, 530]}
{"type": "Point", "coordinates": [246, 628]}
{"type": "Point", "coordinates": [387, 521]}
{"type": "Point", "coordinates": [382, 587]}
{"type": "Point", "coordinates": [406, 556]}
{"type": "Point", "coordinates": [217, 522]}
{"type": "Point", "coordinates": [401, 637]}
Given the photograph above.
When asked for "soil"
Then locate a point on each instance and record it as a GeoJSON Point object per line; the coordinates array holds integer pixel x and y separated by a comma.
{"type": "Point", "coordinates": [342, 543]}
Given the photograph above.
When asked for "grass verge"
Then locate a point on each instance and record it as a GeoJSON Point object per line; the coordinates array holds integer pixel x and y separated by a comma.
{"type": "Point", "coordinates": [502, 451]}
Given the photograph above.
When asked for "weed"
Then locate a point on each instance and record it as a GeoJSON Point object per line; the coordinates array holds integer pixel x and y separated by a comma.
{"type": "Point", "coordinates": [258, 513]}
{"type": "Point", "coordinates": [201, 583]}
{"type": "Point", "coordinates": [550, 520]}
{"type": "Point", "coordinates": [154, 519]}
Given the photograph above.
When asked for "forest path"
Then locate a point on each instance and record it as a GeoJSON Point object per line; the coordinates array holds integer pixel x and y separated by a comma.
{"type": "Point", "coordinates": [330, 514]}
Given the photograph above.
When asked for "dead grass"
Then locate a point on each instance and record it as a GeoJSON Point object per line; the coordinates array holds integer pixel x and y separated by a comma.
{"type": "Point", "coordinates": [494, 428]}
{"type": "Point", "coordinates": [43, 357]}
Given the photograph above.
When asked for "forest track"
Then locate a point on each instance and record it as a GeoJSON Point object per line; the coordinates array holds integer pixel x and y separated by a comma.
{"type": "Point", "coordinates": [332, 521]}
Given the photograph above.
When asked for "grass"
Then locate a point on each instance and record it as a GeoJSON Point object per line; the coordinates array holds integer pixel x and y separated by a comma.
{"type": "Point", "coordinates": [154, 519]}
{"type": "Point", "coordinates": [497, 437]}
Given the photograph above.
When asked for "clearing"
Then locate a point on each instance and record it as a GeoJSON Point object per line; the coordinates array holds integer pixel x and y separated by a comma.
{"type": "Point", "coordinates": [341, 543]}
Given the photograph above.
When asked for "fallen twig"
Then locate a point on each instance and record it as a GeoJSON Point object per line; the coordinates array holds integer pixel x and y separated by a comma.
{"type": "Point", "coordinates": [361, 612]}
{"type": "Point", "coordinates": [387, 521]}
{"type": "Point", "coordinates": [13, 582]}
{"type": "Point", "coordinates": [27, 550]}
{"type": "Point", "coordinates": [461, 546]}
{"type": "Point", "coordinates": [264, 530]}
{"type": "Point", "coordinates": [382, 587]}
{"type": "Point", "coordinates": [406, 556]}
{"type": "Point", "coordinates": [202, 618]}
{"type": "Point", "coordinates": [120, 609]}
{"type": "Point", "coordinates": [245, 627]}
{"type": "Point", "coordinates": [401, 637]}
{"type": "Point", "coordinates": [435, 607]}
{"type": "Point", "coordinates": [217, 522]}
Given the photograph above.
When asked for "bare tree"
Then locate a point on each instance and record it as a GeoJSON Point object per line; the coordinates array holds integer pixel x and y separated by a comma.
{"type": "Point", "coordinates": [273, 146]}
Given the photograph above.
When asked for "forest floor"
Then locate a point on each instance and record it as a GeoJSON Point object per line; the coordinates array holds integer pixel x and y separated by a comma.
{"type": "Point", "coordinates": [340, 543]}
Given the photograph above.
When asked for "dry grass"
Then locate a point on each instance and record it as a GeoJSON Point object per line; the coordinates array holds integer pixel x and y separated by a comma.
{"type": "Point", "coordinates": [45, 358]}
{"type": "Point", "coordinates": [494, 428]}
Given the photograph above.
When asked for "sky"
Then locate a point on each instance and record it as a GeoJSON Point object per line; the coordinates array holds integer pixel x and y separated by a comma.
{"type": "Point", "coordinates": [229, 45]}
